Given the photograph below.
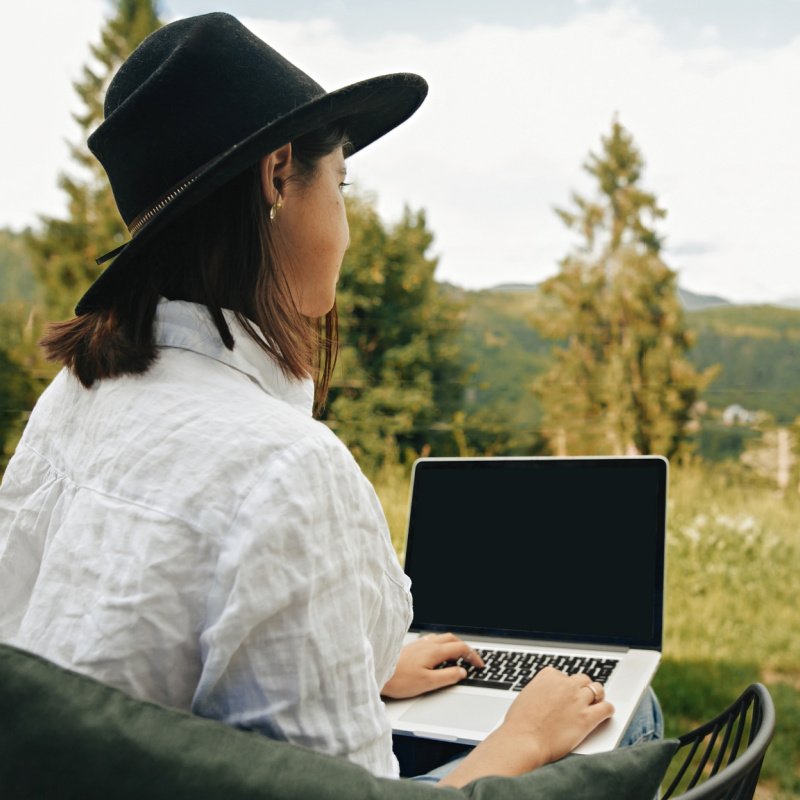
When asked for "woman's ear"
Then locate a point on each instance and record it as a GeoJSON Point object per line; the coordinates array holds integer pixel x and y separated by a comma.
{"type": "Point", "coordinates": [275, 169]}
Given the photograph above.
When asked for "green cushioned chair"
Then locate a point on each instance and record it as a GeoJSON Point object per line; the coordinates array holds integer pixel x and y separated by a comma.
{"type": "Point", "coordinates": [63, 735]}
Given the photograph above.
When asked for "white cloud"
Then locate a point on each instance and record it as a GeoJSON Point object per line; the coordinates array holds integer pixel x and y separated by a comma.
{"type": "Point", "coordinates": [709, 34]}
{"type": "Point", "coordinates": [511, 115]}
{"type": "Point", "coordinates": [42, 50]}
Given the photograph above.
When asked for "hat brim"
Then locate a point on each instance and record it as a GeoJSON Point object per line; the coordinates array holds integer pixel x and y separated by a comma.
{"type": "Point", "coordinates": [367, 110]}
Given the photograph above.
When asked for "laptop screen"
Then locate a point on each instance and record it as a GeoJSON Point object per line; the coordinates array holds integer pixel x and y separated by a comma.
{"type": "Point", "coordinates": [564, 549]}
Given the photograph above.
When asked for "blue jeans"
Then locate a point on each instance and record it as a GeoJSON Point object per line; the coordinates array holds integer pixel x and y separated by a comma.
{"type": "Point", "coordinates": [647, 723]}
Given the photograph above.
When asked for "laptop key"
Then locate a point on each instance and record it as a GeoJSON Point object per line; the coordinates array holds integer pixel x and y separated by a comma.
{"type": "Point", "coordinates": [506, 670]}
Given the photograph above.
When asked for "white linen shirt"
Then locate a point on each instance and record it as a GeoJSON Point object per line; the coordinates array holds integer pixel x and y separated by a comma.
{"type": "Point", "coordinates": [192, 536]}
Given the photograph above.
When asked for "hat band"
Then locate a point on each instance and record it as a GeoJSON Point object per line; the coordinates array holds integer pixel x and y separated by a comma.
{"type": "Point", "coordinates": [140, 221]}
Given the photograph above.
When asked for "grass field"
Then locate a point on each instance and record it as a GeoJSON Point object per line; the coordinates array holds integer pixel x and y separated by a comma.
{"type": "Point", "coordinates": [731, 617]}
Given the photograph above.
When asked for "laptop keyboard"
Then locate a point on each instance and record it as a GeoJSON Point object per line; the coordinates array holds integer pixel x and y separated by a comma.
{"type": "Point", "coordinates": [514, 670]}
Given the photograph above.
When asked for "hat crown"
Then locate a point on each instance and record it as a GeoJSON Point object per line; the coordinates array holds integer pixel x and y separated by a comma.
{"type": "Point", "coordinates": [191, 91]}
{"type": "Point", "coordinates": [217, 33]}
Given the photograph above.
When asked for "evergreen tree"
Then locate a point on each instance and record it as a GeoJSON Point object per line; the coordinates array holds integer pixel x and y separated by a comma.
{"type": "Point", "coordinates": [64, 250]}
{"type": "Point", "coordinates": [19, 385]}
{"type": "Point", "coordinates": [621, 383]}
{"type": "Point", "coordinates": [17, 392]}
{"type": "Point", "coordinates": [398, 384]}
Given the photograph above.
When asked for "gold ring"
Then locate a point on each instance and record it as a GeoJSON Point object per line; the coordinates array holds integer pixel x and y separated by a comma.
{"type": "Point", "coordinates": [594, 693]}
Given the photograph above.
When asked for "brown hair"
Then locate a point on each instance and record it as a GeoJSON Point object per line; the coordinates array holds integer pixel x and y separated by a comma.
{"type": "Point", "coordinates": [220, 254]}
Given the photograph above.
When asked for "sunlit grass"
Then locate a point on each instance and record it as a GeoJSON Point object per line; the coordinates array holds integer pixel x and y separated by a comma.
{"type": "Point", "coordinates": [392, 483]}
{"type": "Point", "coordinates": [733, 571]}
{"type": "Point", "coordinates": [732, 612]}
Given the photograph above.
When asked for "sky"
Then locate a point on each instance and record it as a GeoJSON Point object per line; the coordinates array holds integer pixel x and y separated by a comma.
{"type": "Point", "coordinates": [520, 92]}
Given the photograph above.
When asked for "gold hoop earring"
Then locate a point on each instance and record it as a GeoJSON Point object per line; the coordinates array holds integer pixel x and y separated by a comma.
{"type": "Point", "coordinates": [275, 208]}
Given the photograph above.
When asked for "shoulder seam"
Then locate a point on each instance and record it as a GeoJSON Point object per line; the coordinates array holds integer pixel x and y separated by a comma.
{"type": "Point", "coordinates": [120, 498]}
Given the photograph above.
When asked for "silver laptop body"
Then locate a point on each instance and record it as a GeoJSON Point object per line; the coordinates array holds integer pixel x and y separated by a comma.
{"type": "Point", "coordinates": [561, 557]}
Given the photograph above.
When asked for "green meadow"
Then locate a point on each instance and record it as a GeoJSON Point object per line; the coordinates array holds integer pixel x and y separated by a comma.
{"type": "Point", "coordinates": [731, 616]}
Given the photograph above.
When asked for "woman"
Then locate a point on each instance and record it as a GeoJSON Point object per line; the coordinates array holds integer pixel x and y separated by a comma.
{"type": "Point", "coordinates": [174, 522]}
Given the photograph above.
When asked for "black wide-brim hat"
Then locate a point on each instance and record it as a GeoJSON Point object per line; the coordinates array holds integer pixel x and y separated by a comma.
{"type": "Point", "coordinates": [197, 103]}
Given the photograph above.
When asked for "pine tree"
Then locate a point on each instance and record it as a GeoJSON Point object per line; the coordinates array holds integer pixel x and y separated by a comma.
{"type": "Point", "coordinates": [621, 383]}
{"type": "Point", "coordinates": [64, 250]}
{"type": "Point", "coordinates": [398, 383]}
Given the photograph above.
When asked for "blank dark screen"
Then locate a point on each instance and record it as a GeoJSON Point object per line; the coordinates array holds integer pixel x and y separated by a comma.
{"type": "Point", "coordinates": [551, 548]}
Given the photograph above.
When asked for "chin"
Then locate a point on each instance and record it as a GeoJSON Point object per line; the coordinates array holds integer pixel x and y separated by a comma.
{"type": "Point", "coordinates": [317, 309]}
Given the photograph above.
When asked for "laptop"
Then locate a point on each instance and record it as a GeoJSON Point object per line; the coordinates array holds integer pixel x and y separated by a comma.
{"type": "Point", "coordinates": [536, 562]}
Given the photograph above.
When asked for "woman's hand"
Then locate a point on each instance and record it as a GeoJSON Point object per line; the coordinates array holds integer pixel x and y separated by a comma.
{"type": "Point", "coordinates": [550, 717]}
{"type": "Point", "coordinates": [558, 711]}
{"type": "Point", "coordinates": [416, 671]}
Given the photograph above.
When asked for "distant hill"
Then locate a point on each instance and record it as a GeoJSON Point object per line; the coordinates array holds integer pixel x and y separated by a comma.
{"type": "Point", "coordinates": [697, 302]}
{"type": "Point", "coordinates": [691, 300]}
{"type": "Point", "coordinates": [758, 348]}
{"type": "Point", "coordinates": [503, 355]}
{"type": "Point", "coordinates": [514, 287]}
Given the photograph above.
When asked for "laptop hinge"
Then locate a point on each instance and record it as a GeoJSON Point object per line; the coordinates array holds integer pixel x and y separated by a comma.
{"type": "Point", "coordinates": [559, 645]}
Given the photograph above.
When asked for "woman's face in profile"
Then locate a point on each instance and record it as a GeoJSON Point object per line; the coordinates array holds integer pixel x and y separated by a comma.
{"type": "Point", "coordinates": [312, 233]}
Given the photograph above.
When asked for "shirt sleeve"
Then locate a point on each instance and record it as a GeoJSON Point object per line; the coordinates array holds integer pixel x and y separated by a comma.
{"type": "Point", "coordinates": [304, 595]}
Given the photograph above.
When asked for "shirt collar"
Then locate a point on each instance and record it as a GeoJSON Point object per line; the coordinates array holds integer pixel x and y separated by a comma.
{"type": "Point", "coordinates": [188, 326]}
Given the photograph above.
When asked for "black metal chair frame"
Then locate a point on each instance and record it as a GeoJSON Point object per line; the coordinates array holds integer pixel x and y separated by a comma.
{"type": "Point", "coordinates": [738, 753]}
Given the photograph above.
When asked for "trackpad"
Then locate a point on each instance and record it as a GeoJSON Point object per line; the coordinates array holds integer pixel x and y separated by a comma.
{"type": "Point", "coordinates": [469, 712]}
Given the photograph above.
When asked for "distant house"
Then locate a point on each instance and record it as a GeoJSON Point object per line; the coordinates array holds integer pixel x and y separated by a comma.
{"type": "Point", "coordinates": [738, 415]}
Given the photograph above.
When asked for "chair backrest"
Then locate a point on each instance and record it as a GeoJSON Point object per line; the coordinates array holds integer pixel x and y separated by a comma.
{"type": "Point", "coordinates": [721, 760]}
{"type": "Point", "coordinates": [64, 735]}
